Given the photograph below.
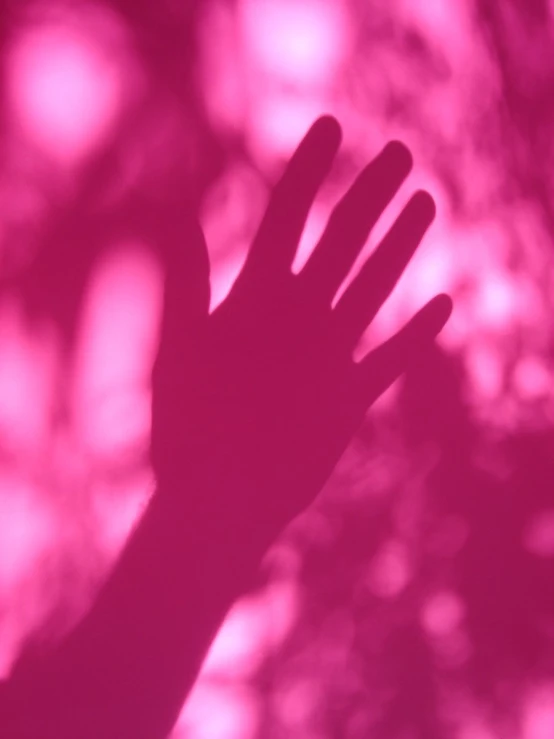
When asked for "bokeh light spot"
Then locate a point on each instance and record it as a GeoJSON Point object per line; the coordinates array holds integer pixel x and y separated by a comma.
{"type": "Point", "coordinates": [115, 352]}
{"type": "Point", "coordinates": [297, 701]}
{"type": "Point", "coordinates": [442, 613]}
{"type": "Point", "coordinates": [484, 366]}
{"type": "Point", "coordinates": [65, 87]}
{"type": "Point", "coordinates": [218, 712]}
{"type": "Point", "coordinates": [532, 378]}
{"type": "Point", "coordinates": [31, 529]}
{"type": "Point", "coordinates": [300, 41]}
{"type": "Point", "coordinates": [538, 720]}
{"type": "Point", "coordinates": [254, 626]}
{"type": "Point", "coordinates": [240, 645]}
{"type": "Point", "coordinates": [28, 365]}
{"type": "Point", "coordinates": [390, 570]}
{"type": "Point", "coordinates": [497, 300]}
{"type": "Point", "coordinates": [539, 534]}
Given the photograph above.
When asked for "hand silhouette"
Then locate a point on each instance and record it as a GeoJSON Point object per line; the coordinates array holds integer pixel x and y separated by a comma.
{"type": "Point", "coordinates": [264, 393]}
{"type": "Point", "coordinates": [253, 406]}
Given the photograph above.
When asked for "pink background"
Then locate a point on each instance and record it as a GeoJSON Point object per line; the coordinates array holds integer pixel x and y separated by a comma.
{"type": "Point", "coordinates": [416, 598]}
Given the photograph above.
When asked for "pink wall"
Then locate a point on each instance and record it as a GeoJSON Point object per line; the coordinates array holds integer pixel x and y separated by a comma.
{"type": "Point", "coordinates": [415, 598]}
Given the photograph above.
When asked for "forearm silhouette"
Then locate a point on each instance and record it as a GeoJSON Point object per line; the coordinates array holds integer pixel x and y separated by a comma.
{"type": "Point", "coordinates": [253, 406]}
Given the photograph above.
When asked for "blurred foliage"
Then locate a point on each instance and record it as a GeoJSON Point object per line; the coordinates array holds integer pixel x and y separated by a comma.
{"type": "Point", "coordinates": [425, 572]}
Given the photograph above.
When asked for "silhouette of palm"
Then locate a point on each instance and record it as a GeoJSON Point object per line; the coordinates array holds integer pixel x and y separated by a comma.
{"type": "Point", "coordinates": [253, 406]}
{"type": "Point", "coordinates": [264, 390]}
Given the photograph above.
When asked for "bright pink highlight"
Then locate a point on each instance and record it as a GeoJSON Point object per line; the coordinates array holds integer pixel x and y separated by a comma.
{"type": "Point", "coordinates": [447, 582]}
{"type": "Point", "coordinates": [442, 614]}
{"type": "Point", "coordinates": [28, 376]}
{"type": "Point", "coordinates": [298, 42]}
{"type": "Point", "coordinates": [114, 357]}
{"type": "Point", "coordinates": [390, 571]}
{"type": "Point", "coordinates": [66, 89]}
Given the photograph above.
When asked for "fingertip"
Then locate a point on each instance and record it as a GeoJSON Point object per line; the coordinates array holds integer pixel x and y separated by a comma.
{"type": "Point", "coordinates": [446, 301]}
{"type": "Point", "coordinates": [329, 128]}
{"type": "Point", "coordinates": [426, 204]}
{"type": "Point", "coordinates": [437, 312]}
{"type": "Point", "coordinates": [398, 152]}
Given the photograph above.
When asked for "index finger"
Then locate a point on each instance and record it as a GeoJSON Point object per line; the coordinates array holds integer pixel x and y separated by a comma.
{"type": "Point", "coordinates": [276, 241]}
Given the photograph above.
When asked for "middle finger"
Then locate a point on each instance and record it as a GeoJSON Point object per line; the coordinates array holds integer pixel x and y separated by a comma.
{"type": "Point", "coordinates": [353, 218]}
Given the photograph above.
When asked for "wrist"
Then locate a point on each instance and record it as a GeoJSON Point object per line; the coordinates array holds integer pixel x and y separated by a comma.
{"type": "Point", "coordinates": [214, 513]}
